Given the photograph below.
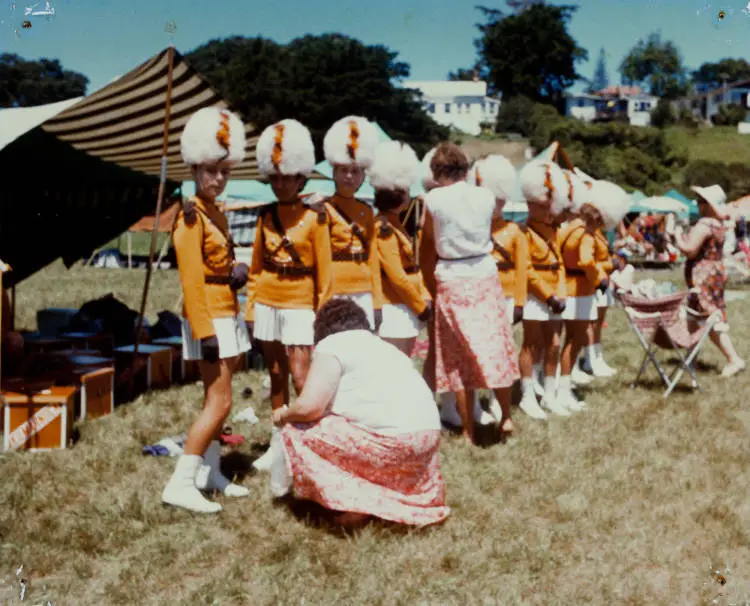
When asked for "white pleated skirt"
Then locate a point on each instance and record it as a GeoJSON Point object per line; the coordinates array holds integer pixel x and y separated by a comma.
{"type": "Point", "coordinates": [605, 299]}
{"type": "Point", "coordinates": [287, 326]}
{"type": "Point", "coordinates": [231, 333]}
{"type": "Point", "coordinates": [364, 300]}
{"type": "Point", "coordinates": [537, 311]}
{"type": "Point", "coordinates": [580, 308]}
{"type": "Point", "coordinates": [399, 322]}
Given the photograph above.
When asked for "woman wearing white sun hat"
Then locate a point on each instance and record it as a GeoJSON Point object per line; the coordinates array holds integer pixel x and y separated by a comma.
{"type": "Point", "coordinates": [212, 141]}
{"type": "Point", "coordinates": [407, 304]}
{"type": "Point", "coordinates": [291, 271]}
{"type": "Point", "coordinates": [349, 146]}
{"type": "Point", "coordinates": [705, 272]}
{"type": "Point", "coordinates": [547, 192]}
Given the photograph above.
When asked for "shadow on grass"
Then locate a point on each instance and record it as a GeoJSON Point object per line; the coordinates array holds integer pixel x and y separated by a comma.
{"type": "Point", "coordinates": [314, 515]}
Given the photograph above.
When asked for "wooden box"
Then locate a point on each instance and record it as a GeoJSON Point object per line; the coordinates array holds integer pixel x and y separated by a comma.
{"type": "Point", "coordinates": [158, 361]}
{"type": "Point", "coordinates": [42, 421]}
{"type": "Point", "coordinates": [97, 392]}
{"type": "Point", "coordinates": [186, 371]}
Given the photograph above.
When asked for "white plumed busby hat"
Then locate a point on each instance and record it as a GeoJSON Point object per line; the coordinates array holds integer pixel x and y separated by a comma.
{"type": "Point", "coordinates": [497, 174]}
{"type": "Point", "coordinates": [212, 135]}
{"type": "Point", "coordinates": [611, 201]}
{"type": "Point", "coordinates": [545, 183]}
{"type": "Point", "coordinates": [351, 140]}
{"type": "Point", "coordinates": [428, 178]}
{"type": "Point", "coordinates": [286, 148]}
{"type": "Point", "coordinates": [578, 191]}
{"type": "Point", "coordinates": [395, 166]}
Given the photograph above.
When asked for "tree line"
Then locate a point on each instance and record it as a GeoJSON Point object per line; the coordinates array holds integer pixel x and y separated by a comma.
{"type": "Point", "coordinates": [525, 52]}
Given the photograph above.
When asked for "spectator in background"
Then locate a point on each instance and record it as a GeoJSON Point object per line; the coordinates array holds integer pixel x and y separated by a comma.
{"type": "Point", "coordinates": [705, 271]}
{"type": "Point", "coordinates": [622, 276]}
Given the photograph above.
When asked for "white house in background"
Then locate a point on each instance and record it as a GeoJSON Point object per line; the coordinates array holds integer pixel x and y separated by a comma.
{"type": "Point", "coordinates": [612, 102]}
{"type": "Point", "coordinates": [464, 105]}
{"type": "Point", "coordinates": [705, 105]}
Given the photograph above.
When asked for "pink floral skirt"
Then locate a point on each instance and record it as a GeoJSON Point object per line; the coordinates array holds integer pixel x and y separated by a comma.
{"type": "Point", "coordinates": [474, 346]}
{"type": "Point", "coordinates": [346, 468]}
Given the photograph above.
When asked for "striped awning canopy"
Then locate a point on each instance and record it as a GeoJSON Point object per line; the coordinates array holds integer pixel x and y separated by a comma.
{"type": "Point", "coordinates": [123, 123]}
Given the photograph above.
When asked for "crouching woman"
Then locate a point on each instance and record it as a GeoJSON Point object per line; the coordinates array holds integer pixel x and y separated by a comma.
{"type": "Point", "coordinates": [363, 437]}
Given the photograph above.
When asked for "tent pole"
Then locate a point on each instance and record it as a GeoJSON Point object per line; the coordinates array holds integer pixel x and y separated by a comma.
{"type": "Point", "coordinates": [160, 196]}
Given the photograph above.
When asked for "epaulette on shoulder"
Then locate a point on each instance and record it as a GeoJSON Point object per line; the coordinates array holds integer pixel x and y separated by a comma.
{"type": "Point", "coordinates": [384, 226]}
{"type": "Point", "coordinates": [320, 209]}
{"type": "Point", "coordinates": [190, 213]}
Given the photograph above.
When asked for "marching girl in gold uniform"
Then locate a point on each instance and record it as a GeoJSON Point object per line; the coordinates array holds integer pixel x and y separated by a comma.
{"type": "Point", "coordinates": [349, 146]}
{"type": "Point", "coordinates": [407, 304]}
{"type": "Point", "coordinates": [291, 272]}
{"type": "Point", "coordinates": [546, 190]}
{"type": "Point", "coordinates": [584, 277]}
{"type": "Point", "coordinates": [212, 330]}
{"type": "Point", "coordinates": [510, 249]}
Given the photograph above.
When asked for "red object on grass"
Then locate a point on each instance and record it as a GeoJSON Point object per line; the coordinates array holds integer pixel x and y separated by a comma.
{"type": "Point", "coordinates": [604, 324]}
{"type": "Point", "coordinates": [234, 440]}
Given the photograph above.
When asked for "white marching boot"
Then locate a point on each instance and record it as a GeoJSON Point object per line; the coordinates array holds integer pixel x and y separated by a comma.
{"type": "Point", "coordinates": [266, 460]}
{"type": "Point", "coordinates": [210, 477]}
{"type": "Point", "coordinates": [566, 397]}
{"type": "Point", "coordinates": [181, 490]}
{"type": "Point", "coordinates": [550, 401]}
{"type": "Point", "coordinates": [529, 403]}
{"type": "Point", "coordinates": [599, 367]}
{"type": "Point", "coordinates": [579, 377]}
{"type": "Point", "coordinates": [495, 410]}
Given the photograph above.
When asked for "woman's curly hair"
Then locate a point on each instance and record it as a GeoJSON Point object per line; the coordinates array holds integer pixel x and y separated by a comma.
{"type": "Point", "coordinates": [339, 315]}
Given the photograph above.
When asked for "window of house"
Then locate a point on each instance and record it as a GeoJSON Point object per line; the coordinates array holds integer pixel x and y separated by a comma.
{"type": "Point", "coordinates": [581, 102]}
{"type": "Point", "coordinates": [431, 108]}
{"type": "Point", "coordinates": [447, 108]}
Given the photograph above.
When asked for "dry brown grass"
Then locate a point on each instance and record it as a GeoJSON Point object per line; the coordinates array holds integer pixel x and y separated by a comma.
{"type": "Point", "coordinates": [630, 502]}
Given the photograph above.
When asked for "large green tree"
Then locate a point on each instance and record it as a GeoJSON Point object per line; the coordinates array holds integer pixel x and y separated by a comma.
{"type": "Point", "coordinates": [600, 81]}
{"type": "Point", "coordinates": [25, 83]}
{"type": "Point", "coordinates": [713, 75]}
{"type": "Point", "coordinates": [656, 64]}
{"type": "Point", "coordinates": [317, 80]}
{"type": "Point", "coordinates": [529, 53]}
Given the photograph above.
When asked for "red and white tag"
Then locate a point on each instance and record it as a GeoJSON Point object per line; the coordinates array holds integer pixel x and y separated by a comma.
{"type": "Point", "coordinates": [23, 433]}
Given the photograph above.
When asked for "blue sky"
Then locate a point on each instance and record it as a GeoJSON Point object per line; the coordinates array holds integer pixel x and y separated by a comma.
{"type": "Point", "coordinates": [104, 38]}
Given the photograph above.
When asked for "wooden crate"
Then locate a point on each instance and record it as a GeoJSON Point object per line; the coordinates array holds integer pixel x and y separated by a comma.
{"type": "Point", "coordinates": [158, 361]}
{"type": "Point", "coordinates": [97, 392]}
{"type": "Point", "coordinates": [39, 421]}
{"type": "Point", "coordinates": [185, 371]}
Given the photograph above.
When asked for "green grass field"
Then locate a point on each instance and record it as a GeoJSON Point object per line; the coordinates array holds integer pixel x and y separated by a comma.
{"type": "Point", "coordinates": [630, 502]}
{"type": "Point", "coordinates": [717, 144]}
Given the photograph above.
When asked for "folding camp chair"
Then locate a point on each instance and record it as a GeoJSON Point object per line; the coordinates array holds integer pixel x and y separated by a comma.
{"type": "Point", "coordinates": [659, 324]}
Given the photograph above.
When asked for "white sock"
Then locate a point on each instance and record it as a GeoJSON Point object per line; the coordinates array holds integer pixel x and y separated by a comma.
{"type": "Point", "coordinates": [564, 387]}
{"type": "Point", "coordinates": [538, 371]}
{"type": "Point", "coordinates": [598, 352]}
{"type": "Point", "coordinates": [550, 384]}
{"type": "Point", "coordinates": [527, 386]}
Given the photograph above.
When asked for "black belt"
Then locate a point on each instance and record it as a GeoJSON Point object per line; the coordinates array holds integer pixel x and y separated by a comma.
{"type": "Point", "coordinates": [461, 258]}
{"type": "Point", "coordinates": [287, 270]}
{"type": "Point", "coordinates": [504, 265]}
{"type": "Point", "coordinates": [357, 257]}
{"type": "Point", "coordinates": [224, 280]}
{"type": "Point", "coordinates": [549, 267]}
{"type": "Point", "coordinates": [575, 272]}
